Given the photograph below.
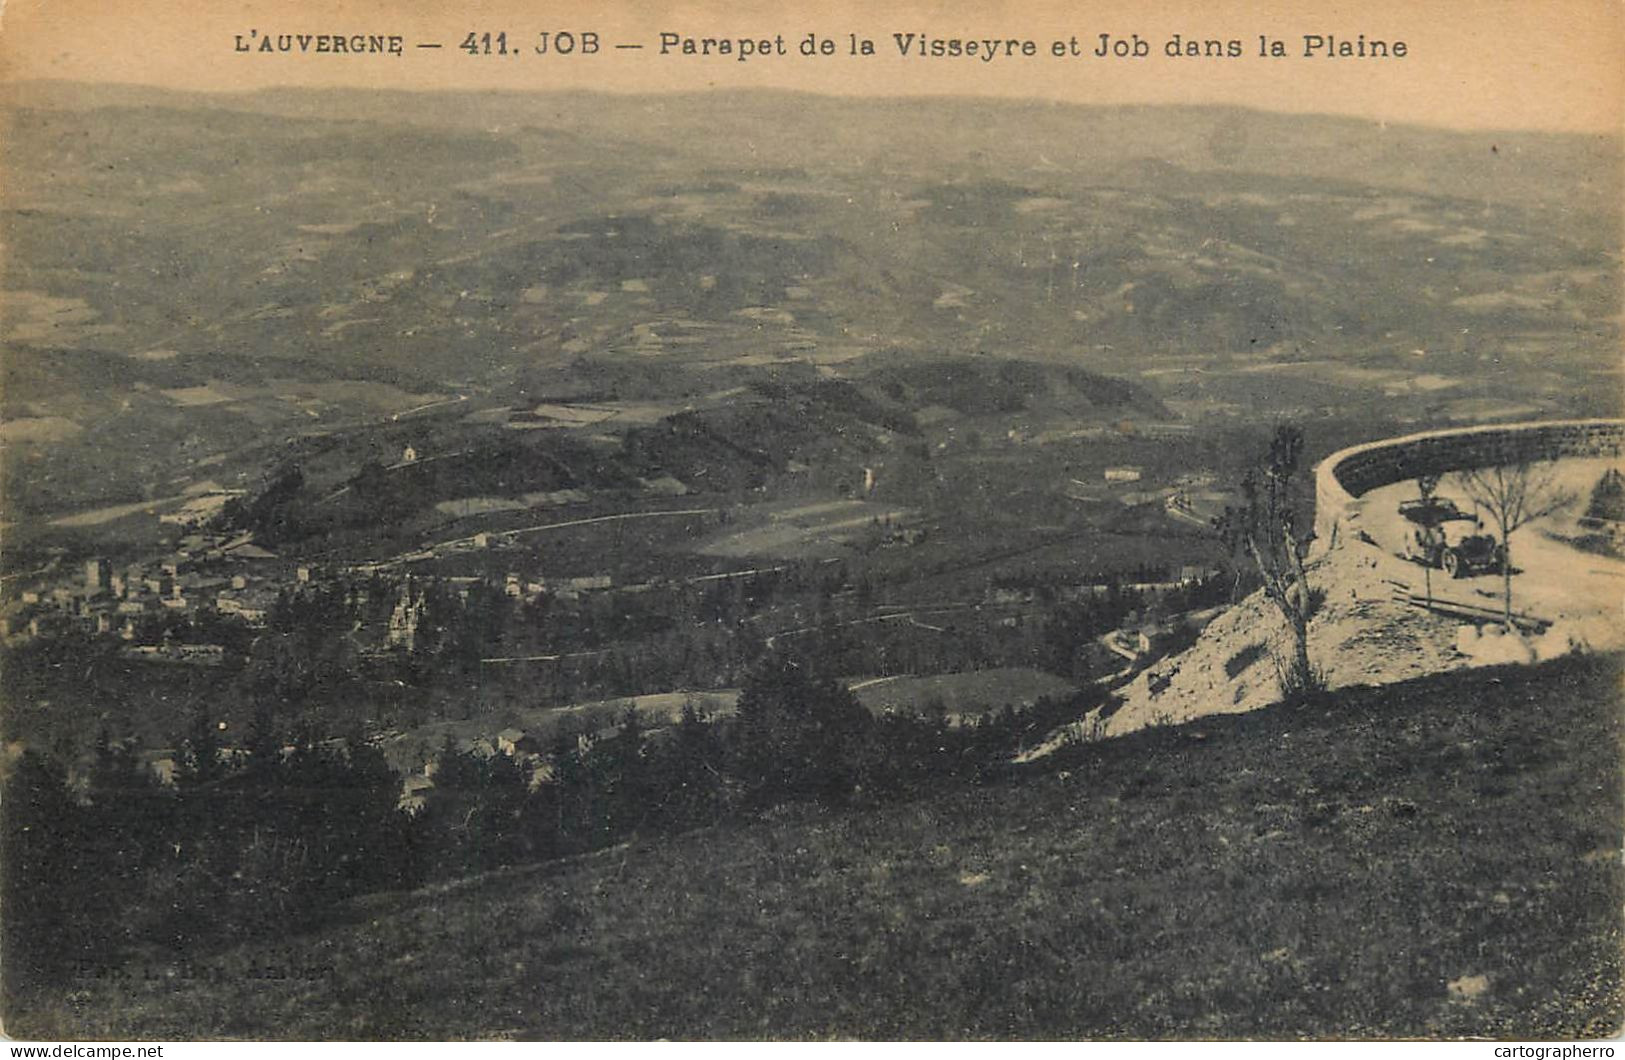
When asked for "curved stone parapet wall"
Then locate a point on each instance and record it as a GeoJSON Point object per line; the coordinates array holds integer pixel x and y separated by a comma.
{"type": "Point", "coordinates": [1345, 476]}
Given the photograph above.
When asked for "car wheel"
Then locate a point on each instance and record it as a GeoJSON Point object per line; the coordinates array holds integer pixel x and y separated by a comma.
{"type": "Point", "coordinates": [1452, 564]}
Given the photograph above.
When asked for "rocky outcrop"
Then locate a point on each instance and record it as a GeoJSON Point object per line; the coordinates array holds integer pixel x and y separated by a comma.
{"type": "Point", "coordinates": [1364, 632]}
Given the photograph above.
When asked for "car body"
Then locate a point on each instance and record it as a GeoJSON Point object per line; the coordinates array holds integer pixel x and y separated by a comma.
{"type": "Point", "coordinates": [1443, 536]}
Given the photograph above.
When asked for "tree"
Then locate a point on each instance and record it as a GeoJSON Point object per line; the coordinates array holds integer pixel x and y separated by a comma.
{"type": "Point", "coordinates": [43, 888]}
{"type": "Point", "coordinates": [1608, 497]}
{"type": "Point", "coordinates": [690, 771]}
{"type": "Point", "coordinates": [630, 793]}
{"type": "Point", "coordinates": [798, 736]}
{"type": "Point", "coordinates": [1264, 529]}
{"type": "Point", "coordinates": [1514, 495]}
{"type": "Point", "coordinates": [479, 814]}
{"type": "Point", "coordinates": [201, 750]}
{"type": "Point", "coordinates": [1426, 487]}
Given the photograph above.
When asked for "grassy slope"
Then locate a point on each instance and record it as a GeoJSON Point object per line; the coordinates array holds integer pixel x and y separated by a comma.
{"type": "Point", "coordinates": [1293, 872]}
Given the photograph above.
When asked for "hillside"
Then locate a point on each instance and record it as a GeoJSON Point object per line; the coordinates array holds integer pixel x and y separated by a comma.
{"type": "Point", "coordinates": [1527, 165]}
{"type": "Point", "coordinates": [193, 278]}
{"type": "Point", "coordinates": [773, 428]}
{"type": "Point", "coordinates": [1434, 858]}
{"type": "Point", "coordinates": [1366, 629]}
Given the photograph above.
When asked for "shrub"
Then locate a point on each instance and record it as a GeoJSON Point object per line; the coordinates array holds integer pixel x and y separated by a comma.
{"type": "Point", "coordinates": [1244, 658]}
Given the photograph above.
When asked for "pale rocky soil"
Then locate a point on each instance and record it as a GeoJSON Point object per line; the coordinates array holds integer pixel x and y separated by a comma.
{"type": "Point", "coordinates": [1362, 636]}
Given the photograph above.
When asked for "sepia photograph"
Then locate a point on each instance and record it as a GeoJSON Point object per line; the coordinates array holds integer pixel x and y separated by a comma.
{"type": "Point", "coordinates": [798, 522]}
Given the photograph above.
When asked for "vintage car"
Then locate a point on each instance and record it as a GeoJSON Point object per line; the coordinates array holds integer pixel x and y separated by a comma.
{"type": "Point", "coordinates": [1443, 536]}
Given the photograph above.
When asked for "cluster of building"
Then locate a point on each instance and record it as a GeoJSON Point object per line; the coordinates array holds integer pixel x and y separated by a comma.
{"type": "Point", "coordinates": [526, 751]}
{"type": "Point", "coordinates": [226, 573]}
{"type": "Point", "coordinates": [1186, 576]}
{"type": "Point", "coordinates": [411, 605]}
{"type": "Point", "coordinates": [1193, 497]}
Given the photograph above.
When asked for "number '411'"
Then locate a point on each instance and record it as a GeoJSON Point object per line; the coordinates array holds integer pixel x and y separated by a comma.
{"type": "Point", "coordinates": [485, 44]}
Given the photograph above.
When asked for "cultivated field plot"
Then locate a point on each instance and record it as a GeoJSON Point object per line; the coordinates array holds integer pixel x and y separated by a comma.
{"type": "Point", "coordinates": [408, 751]}
{"type": "Point", "coordinates": [964, 696]}
{"type": "Point", "coordinates": [807, 530]}
{"type": "Point", "coordinates": [655, 710]}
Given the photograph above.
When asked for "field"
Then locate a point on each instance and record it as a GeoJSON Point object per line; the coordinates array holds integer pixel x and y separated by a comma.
{"type": "Point", "coordinates": [1440, 858]}
{"type": "Point", "coordinates": [408, 752]}
{"type": "Point", "coordinates": [806, 531]}
{"type": "Point", "coordinates": [963, 696]}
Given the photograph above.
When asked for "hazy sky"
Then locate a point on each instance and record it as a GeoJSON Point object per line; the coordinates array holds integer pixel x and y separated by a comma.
{"type": "Point", "coordinates": [1556, 64]}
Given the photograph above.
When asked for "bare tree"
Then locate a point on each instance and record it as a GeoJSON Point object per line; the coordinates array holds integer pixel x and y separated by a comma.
{"type": "Point", "coordinates": [1426, 487]}
{"type": "Point", "coordinates": [1264, 528]}
{"type": "Point", "coordinates": [1514, 495]}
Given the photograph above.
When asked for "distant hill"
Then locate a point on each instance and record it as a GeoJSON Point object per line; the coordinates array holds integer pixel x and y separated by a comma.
{"type": "Point", "coordinates": [753, 436]}
{"type": "Point", "coordinates": [200, 274]}
{"type": "Point", "coordinates": [986, 385]}
{"type": "Point", "coordinates": [1525, 167]}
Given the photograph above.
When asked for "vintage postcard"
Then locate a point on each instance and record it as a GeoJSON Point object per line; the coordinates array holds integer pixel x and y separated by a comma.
{"type": "Point", "coordinates": [785, 521]}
